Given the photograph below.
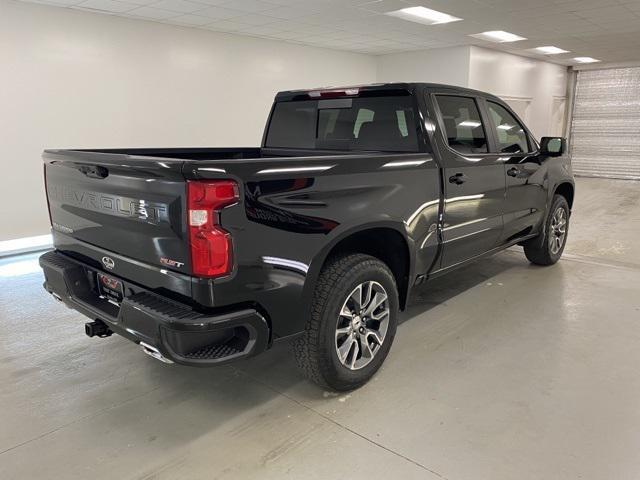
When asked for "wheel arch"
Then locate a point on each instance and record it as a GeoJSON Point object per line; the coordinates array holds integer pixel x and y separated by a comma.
{"type": "Point", "coordinates": [567, 190]}
{"type": "Point", "coordinates": [386, 241]}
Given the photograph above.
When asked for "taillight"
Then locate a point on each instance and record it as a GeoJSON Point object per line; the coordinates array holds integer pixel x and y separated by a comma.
{"type": "Point", "coordinates": [211, 246]}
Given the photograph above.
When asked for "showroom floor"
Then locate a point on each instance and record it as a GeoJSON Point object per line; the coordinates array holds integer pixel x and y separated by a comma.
{"type": "Point", "coordinates": [499, 371]}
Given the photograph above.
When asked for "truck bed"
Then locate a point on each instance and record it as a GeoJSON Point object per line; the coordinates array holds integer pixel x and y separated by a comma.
{"type": "Point", "coordinates": [192, 153]}
{"type": "Point", "coordinates": [130, 204]}
{"type": "Point", "coordinates": [207, 153]}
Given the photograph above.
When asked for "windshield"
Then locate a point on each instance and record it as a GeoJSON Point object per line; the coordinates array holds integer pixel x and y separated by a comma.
{"type": "Point", "coordinates": [372, 123]}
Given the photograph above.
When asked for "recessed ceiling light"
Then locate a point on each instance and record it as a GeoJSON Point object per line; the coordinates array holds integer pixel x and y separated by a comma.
{"type": "Point", "coordinates": [423, 15]}
{"type": "Point", "coordinates": [585, 60]}
{"type": "Point", "coordinates": [550, 50]}
{"type": "Point", "coordinates": [498, 36]}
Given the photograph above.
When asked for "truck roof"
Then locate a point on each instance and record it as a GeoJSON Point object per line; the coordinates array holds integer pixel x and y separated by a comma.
{"type": "Point", "coordinates": [409, 87]}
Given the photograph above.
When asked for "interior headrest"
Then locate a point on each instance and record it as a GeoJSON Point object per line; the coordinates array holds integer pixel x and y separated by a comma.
{"type": "Point", "coordinates": [380, 129]}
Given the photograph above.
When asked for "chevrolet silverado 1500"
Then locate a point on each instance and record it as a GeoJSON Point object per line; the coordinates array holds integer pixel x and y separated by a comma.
{"type": "Point", "coordinates": [356, 195]}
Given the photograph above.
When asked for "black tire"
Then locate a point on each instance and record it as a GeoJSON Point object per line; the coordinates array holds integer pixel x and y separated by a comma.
{"type": "Point", "coordinates": [316, 350]}
{"type": "Point", "coordinates": [539, 250]}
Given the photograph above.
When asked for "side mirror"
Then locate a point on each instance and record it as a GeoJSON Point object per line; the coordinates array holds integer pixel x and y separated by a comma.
{"type": "Point", "coordinates": [553, 146]}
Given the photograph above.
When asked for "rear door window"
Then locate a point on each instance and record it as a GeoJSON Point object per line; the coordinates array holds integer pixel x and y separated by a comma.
{"type": "Point", "coordinates": [385, 124]}
{"type": "Point", "coordinates": [463, 124]}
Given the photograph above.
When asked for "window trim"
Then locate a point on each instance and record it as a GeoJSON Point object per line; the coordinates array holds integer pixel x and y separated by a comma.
{"type": "Point", "coordinates": [477, 100]}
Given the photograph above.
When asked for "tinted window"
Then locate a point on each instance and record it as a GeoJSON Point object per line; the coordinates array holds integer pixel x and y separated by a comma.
{"type": "Point", "coordinates": [511, 136]}
{"type": "Point", "coordinates": [293, 124]}
{"type": "Point", "coordinates": [462, 123]}
{"type": "Point", "coordinates": [373, 123]}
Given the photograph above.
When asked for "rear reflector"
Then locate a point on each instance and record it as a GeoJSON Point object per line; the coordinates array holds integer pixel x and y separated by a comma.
{"type": "Point", "coordinates": [211, 245]}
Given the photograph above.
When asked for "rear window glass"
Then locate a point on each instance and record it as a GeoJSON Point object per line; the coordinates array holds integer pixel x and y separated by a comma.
{"type": "Point", "coordinates": [371, 123]}
{"type": "Point", "coordinates": [462, 123]}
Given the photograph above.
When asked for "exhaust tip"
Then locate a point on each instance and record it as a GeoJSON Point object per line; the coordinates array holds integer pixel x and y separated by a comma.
{"type": "Point", "coordinates": [154, 352]}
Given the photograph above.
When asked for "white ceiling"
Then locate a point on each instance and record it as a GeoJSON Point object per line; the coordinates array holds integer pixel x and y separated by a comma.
{"type": "Point", "coordinates": [608, 30]}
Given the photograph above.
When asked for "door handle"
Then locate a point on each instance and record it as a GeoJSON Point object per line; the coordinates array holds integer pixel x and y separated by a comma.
{"type": "Point", "coordinates": [513, 172]}
{"type": "Point", "coordinates": [458, 178]}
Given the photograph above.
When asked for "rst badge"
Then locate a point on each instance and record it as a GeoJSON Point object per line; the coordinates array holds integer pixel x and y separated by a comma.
{"type": "Point", "coordinates": [171, 263]}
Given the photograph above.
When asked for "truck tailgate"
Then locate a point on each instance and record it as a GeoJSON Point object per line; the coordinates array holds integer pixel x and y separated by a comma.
{"type": "Point", "coordinates": [131, 205]}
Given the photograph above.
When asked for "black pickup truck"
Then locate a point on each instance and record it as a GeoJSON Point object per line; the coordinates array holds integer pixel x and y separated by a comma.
{"type": "Point", "coordinates": [207, 255]}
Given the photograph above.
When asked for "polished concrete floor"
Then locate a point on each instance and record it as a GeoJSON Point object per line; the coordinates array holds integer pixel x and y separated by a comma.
{"type": "Point", "coordinates": [500, 371]}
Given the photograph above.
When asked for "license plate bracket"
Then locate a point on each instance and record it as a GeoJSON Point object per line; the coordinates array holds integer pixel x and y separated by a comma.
{"type": "Point", "coordinates": [110, 289]}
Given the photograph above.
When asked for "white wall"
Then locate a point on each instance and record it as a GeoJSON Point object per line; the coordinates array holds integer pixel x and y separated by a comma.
{"type": "Point", "coordinates": [76, 79]}
{"type": "Point", "coordinates": [441, 65]}
{"type": "Point", "coordinates": [73, 79]}
{"type": "Point", "coordinates": [516, 77]}
{"type": "Point", "coordinates": [531, 86]}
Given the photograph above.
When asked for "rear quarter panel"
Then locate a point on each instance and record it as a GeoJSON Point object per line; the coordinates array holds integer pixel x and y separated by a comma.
{"type": "Point", "coordinates": [288, 221]}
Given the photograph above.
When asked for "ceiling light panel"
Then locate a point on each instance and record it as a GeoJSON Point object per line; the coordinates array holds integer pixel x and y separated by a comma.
{"type": "Point", "coordinates": [585, 60]}
{"type": "Point", "coordinates": [498, 36]}
{"type": "Point", "coordinates": [424, 15]}
{"type": "Point", "coordinates": [550, 50]}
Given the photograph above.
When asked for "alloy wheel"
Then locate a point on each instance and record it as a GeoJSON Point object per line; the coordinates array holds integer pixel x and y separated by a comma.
{"type": "Point", "coordinates": [558, 231]}
{"type": "Point", "coordinates": [362, 325]}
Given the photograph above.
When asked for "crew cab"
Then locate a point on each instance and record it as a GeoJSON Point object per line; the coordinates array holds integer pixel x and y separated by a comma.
{"type": "Point", "coordinates": [356, 195]}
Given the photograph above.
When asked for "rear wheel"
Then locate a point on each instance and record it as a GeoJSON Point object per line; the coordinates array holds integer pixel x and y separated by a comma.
{"type": "Point", "coordinates": [547, 248]}
{"type": "Point", "coordinates": [352, 324]}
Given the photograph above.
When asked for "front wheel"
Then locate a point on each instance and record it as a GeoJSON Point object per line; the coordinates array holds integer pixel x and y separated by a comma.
{"type": "Point", "coordinates": [547, 248]}
{"type": "Point", "coordinates": [352, 324]}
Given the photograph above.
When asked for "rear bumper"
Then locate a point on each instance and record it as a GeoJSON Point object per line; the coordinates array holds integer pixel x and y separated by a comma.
{"type": "Point", "coordinates": [178, 332]}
